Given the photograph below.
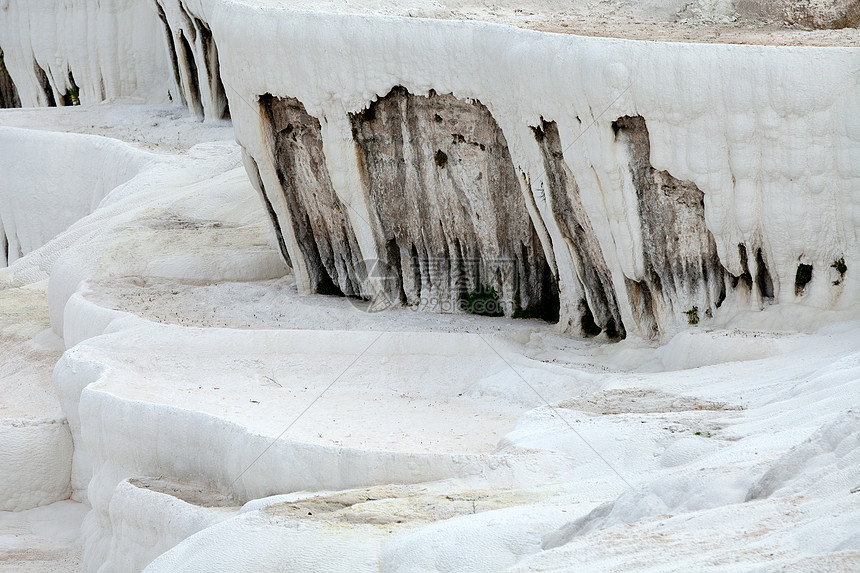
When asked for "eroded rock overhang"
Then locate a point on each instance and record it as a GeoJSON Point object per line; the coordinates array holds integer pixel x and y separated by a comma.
{"type": "Point", "coordinates": [661, 181]}
{"type": "Point", "coordinates": [646, 185]}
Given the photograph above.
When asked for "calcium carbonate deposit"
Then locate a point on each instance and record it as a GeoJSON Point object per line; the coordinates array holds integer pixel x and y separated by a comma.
{"type": "Point", "coordinates": [429, 286]}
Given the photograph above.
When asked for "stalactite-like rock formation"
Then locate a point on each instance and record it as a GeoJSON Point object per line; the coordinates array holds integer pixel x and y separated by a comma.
{"type": "Point", "coordinates": [193, 56]}
{"type": "Point", "coordinates": [683, 274]}
{"type": "Point", "coordinates": [449, 209]}
{"type": "Point", "coordinates": [325, 237]}
{"type": "Point", "coordinates": [600, 307]}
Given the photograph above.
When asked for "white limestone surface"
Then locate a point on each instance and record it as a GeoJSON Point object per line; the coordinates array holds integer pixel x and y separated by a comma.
{"type": "Point", "coordinates": [50, 180]}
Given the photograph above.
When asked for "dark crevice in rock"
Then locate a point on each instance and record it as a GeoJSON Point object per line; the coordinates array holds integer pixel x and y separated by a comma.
{"type": "Point", "coordinates": [271, 212]}
{"type": "Point", "coordinates": [802, 278]}
{"type": "Point", "coordinates": [321, 225]}
{"type": "Point", "coordinates": [213, 71]}
{"type": "Point", "coordinates": [745, 278]}
{"type": "Point", "coordinates": [171, 52]}
{"type": "Point", "coordinates": [189, 24]}
{"type": "Point", "coordinates": [587, 324]}
{"type": "Point", "coordinates": [763, 280]}
{"type": "Point", "coordinates": [443, 187]}
{"type": "Point", "coordinates": [4, 246]}
{"type": "Point", "coordinates": [8, 91]}
{"type": "Point", "coordinates": [192, 86]}
{"type": "Point", "coordinates": [45, 84]}
{"type": "Point", "coordinates": [679, 251]}
{"type": "Point", "coordinates": [601, 305]}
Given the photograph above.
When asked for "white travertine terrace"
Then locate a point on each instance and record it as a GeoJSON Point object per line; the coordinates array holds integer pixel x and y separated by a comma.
{"type": "Point", "coordinates": [653, 179]}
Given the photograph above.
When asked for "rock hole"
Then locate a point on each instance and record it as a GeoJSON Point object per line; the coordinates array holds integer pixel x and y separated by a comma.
{"type": "Point", "coordinates": [73, 94]}
{"type": "Point", "coordinates": [441, 158]}
{"type": "Point", "coordinates": [802, 278]}
{"type": "Point", "coordinates": [589, 327]}
{"type": "Point", "coordinates": [763, 280]}
{"type": "Point", "coordinates": [394, 258]}
{"type": "Point", "coordinates": [745, 277]}
{"type": "Point", "coordinates": [722, 296]}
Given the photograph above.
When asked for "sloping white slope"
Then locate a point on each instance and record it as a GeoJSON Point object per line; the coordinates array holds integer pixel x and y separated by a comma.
{"type": "Point", "coordinates": [50, 180]}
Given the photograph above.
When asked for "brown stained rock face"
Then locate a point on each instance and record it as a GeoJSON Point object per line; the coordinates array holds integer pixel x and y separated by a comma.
{"type": "Point", "coordinates": [448, 206]}
{"type": "Point", "coordinates": [681, 261]}
{"type": "Point", "coordinates": [322, 228]}
{"type": "Point", "coordinates": [600, 311]}
{"type": "Point", "coordinates": [8, 91]}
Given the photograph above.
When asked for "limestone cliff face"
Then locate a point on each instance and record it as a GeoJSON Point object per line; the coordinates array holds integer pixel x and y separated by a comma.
{"type": "Point", "coordinates": [450, 218]}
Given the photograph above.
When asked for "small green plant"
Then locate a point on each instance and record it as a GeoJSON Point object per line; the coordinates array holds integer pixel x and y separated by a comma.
{"type": "Point", "coordinates": [72, 97]}
{"type": "Point", "coordinates": [441, 159]}
{"type": "Point", "coordinates": [841, 268]}
{"type": "Point", "coordinates": [692, 315]}
{"type": "Point", "coordinates": [484, 301]}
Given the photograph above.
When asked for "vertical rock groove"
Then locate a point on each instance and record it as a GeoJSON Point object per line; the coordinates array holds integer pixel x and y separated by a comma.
{"type": "Point", "coordinates": [45, 84]}
{"type": "Point", "coordinates": [322, 228]}
{"type": "Point", "coordinates": [171, 52]}
{"type": "Point", "coordinates": [213, 73]}
{"type": "Point", "coordinates": [192, 83]}
{"type": "Point", "coordinates": [682, 269]}
{"type": "Point", "coordinates": [600, 310]}
{"type": "Point", "coordinates": [448, 205]}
